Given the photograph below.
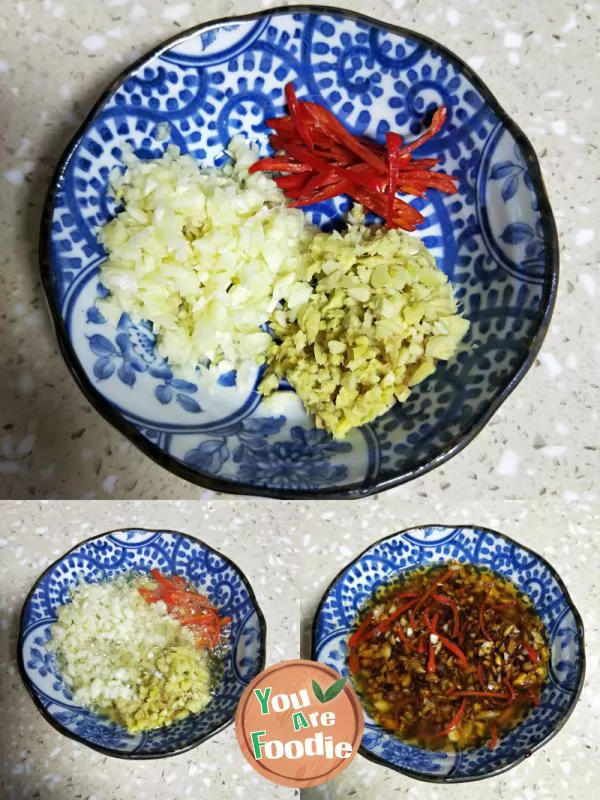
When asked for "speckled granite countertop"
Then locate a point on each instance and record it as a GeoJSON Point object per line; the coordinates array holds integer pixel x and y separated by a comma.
{"type": "Point", "coordinates": [57, 58]}
{"type": "Point", "coordinates": [38, 762]}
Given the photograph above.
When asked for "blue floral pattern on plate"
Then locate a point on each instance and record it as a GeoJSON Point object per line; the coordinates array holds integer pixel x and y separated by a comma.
{"type": "Point", "coordinates": [495, 239]}
{"type": "Point", "coordinates": [121, 552]}
{"type": "Point", "coordinates": [530, 572]}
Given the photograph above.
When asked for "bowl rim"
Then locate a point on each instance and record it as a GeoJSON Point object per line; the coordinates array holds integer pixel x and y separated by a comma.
{"type": "Point", "coordinates": [423, 776]}
{"type": "Point", "coordinates": [109, 751]}
{"type": "Point", "coordinates": [358, 489]}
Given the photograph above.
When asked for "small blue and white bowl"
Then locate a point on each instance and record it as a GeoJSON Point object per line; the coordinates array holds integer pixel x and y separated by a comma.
{"type": "Point", "coordinates": [495, 239]}
{"type": "Point", "coordinates": [435, 544]}
{"type": "Point", "coordinates": [138, 550]}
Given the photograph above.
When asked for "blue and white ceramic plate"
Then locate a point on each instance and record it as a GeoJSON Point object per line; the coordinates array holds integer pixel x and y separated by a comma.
{"type": "Point", "coordinates": [486, 548]}
{"type": "Point", "coordinates": [495, 239]}
{"type": "Point", "coordinates": [134, 550]}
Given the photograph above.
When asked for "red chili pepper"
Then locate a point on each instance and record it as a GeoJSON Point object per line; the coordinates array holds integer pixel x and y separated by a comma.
{"type": "Point", "coordinates": [393, 144]}
{"type": "Point", "coordinates": [421, 646]}
{"type": "Point", "coordinates": [163, 583]}
{"type": "Point", "coordinates": [481, 675]}
{"type": "Point", "coordinates": [418, 163]}
{"type": "Point", "coordinates": [437, 123]}
{"type": "Point", "coordinates": [418, 183]}
{"type": "Point", "coordinates": [532, 653]}
{"type": "Point", "coordinates": [286, 182]}
{"type": "Point", "coordinates": [455, 720]}
{"type": "Point", "coordinates": [431, 658]}
{"type": "Point", "coordinates": [511, 691]}
{"type": "Point", "coordinates": [184, 597]}
{"type": "Point", "coordinates": [494, 740]}
{"type": "Point", "coordinates": [188, 607]}
{"type": "Point", "coordinates": [305, 157]}
{"type": "Point", "coordinates": [331, 125]}
{"type": "Point", "coordinates": [405, 216]}
{"type": "Point", "coordinates": [326, 193]}
{"type": "Point", "coordinates": [313, 139]}
{"type": "Point", "coordinates": [385, 624]}
{"type": "Point", "coordinates": [455, 650]}
{"type": "Point", "coordinates": [278, 164]}
{"type": "Point", "coordinates": [199, 619]}
{"type": "Point", "coordinates": [403, 637]}
{"type": "Point", "coordinates": [359, 632]}
{"type": "Point", "coordinates": [321, 179]}
{"type": "Point", "coordinates": [448, 601]}
{"type": "Point", "coordinates": [353, 665]}
{"type": "Point", "coordinates": [297, 115]}
{"type": "Point", "coordinates": [282, 125]}
{"type": "Point", "coordinates": [432, 588]}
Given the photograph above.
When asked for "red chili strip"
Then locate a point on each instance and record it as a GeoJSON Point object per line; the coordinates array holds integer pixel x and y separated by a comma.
{"type": "Point", "coordinates": [353, 663]}
{"type": "Point", "coordinates": [149, 595]}
{"type": "Point", "coordinates": [432, 588]}
{"type": "Point", "coordinates": [437, 123]}
{"type": "Point", "coordinates": [326, 193]}
{"type": "Point", "coordinates": [455, 720]}
{"type": "Point", "coordinates": [511, 690]}
{"type": "Point", "coordinates": [454, 649]}
{"type": "Point", "coordinates": [393, 144]}
{"type": "Point", "coordinates": [163, 583]}
{"type": "Point", "coordinates": [385, 624]}
{"type": "Point", "coordinates": [287, 182]}
{"type": "Point", "coordinates": [494, 740]}
{"type": "Point", "coordinates": [278, 164]}
{"type": "Point", "coordinates": [402, 636]}
{"type": "Point", "coordinates": [448, 601]}
{"type": "Point", "coordinates": [359, 632]}
{"type": "Point", "coordinates": [331, 125]}
{"type": "Point", "coordinates": [297, 115]}
{"type": "Point", "coordinates": [405, 216]}
{"type": "Point", "coordinates": [481, 675]}
{"type": "Point", "coordinates": [532, 653]}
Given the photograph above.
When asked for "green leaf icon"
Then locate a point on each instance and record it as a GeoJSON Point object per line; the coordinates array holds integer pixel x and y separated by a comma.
{"type": "Point", "coordinates": [334, 690]}
{"type": "Point", "coordinates": [318, 692]}
{"type": "Point", "coordinates": [330, 693]}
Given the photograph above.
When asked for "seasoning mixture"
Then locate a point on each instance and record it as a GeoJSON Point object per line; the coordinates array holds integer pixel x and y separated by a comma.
{"type": "Point", "coordinates": [212, 256]}
{"type": "Point", "coordinates": [449, 656]}
{"type": "Point", "coordinates": [143, 653]}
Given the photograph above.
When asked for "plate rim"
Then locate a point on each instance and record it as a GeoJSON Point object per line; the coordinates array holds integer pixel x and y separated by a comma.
{"type": "Point", "coordinates": [422, 776]}
{"type": "Point", "coordinates": [358, 489]}
{"type": "Point", "coordinates": [109, 751]}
